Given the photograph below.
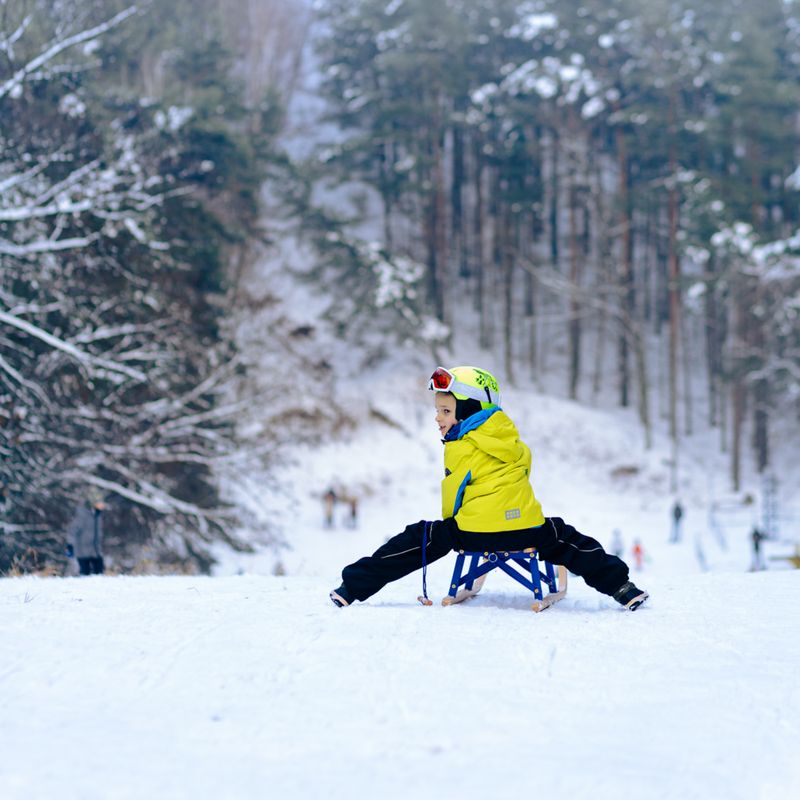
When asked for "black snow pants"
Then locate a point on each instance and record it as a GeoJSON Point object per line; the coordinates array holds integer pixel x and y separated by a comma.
{"type": "Point", "coordinates": [91, 566]}
{"type": "Point", "coordinates": [555, 541]}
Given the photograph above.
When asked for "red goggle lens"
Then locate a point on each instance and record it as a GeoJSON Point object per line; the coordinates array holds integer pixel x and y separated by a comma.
{"type": "Point", "coordinates": [441, 379]}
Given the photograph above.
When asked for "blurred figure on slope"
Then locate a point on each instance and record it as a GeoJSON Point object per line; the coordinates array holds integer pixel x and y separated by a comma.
{"type": "Point", "coordinates": [677, 517]}
{"type": "Point", "coordinates": [757, 536]}
{"type": "Point", "coordinates": [85, 533]}
{"type": "Point", "coordinates": [352, 504]}
{"type": "Point", "coordinates": [617, 545]}
{"type": "Point", "coordinates": [487, 502]}
{"type": "Point", "coordinates": [328, 505]}
{"type": "Point", "coordinates": [638, 554]}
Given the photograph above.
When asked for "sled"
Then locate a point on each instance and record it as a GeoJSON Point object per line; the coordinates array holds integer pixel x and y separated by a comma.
{"type": "Point", "coordinates": [511, 562]}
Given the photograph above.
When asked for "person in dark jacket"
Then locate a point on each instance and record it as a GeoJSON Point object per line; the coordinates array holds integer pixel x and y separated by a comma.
{"type": "Point", "coordinates": [677, 516]}
{"type": "Point", "coordinates": [757, 536]}
{"type": "Point", "coordinates": [85, 534]}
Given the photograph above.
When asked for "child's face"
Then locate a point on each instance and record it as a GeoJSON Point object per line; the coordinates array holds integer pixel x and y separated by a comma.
{"type": "Point", "coordinates": [445, 412]}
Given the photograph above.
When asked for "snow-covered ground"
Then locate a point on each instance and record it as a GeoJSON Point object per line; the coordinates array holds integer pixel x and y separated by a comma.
{"type": "Point", "coordinates": [255, 687]}
{"type": "Point", "coordinates": [252, 685]}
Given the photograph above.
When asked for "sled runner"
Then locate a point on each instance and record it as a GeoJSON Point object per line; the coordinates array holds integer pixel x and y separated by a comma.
{"type": "Point", "coordinates": [481, 563]}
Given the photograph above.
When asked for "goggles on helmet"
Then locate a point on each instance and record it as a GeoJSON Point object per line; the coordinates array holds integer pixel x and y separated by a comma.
{"type": "Point", "coordinates": [443, 380]}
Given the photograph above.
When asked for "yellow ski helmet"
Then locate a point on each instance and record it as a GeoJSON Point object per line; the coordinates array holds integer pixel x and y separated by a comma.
{"type": "Point", "coordinates": [467, 383]}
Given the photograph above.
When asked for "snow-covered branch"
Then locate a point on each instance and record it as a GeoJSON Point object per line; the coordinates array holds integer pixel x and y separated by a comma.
{"type": "Point", "coordinates": [20, 379]}
{"type": "Point", "coordinates": [59, 344]}
{"type": "Point", "coordinates": [45, 246]}
{"type": "Point", "coordinates": [149, 495]}
{"type": "Point", "coordinates": [18, 78]}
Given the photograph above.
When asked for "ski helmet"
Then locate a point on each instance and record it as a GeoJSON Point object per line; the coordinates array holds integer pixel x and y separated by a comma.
{"type": "Point", "coordinates": [474, 389]}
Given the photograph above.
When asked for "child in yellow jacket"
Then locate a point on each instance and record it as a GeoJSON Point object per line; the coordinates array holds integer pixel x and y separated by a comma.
{"type": "Point", "coordinates": [487, 501]}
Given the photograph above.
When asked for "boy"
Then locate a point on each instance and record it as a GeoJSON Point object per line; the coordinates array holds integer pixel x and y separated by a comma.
{"type": "Point", "coordinates": [487, 501]}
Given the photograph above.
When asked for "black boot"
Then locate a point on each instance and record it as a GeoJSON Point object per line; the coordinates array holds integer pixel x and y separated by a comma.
{"type": "Point", "coordinates": [341, 597]}
{"type": "Point", "coordinates": [629, 596]}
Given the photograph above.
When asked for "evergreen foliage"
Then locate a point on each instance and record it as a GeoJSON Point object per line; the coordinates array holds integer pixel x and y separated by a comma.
{"type": "Point", "coordinates": [126, 175]}
{"type": "Point", "coordinates": [571, 166]}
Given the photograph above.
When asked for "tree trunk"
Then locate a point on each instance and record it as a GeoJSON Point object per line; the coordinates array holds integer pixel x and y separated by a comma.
{"type": "Point", "coordinates": [686, 360]}
{"type": "Point", "coordinates": [740, 300]}
{"type": "Point", "coordinates": [458, 245]}
{"type": "Point", "coordinates": [738, 404]}
{"type": "Point", "coordinates": [574, 332]}
{"type": "Point", "coordinates": [386, 173]}
{"type": "Point", "coordinates": [674, 307]}
{"type": "Point", "coordinates": [760, 385]}
{"type": "Point", "coordinates": [553, 205]}
{"type": "Point", "coordinates": [643, 381]}
{"type": "Point", "coordinates": [603, 238]}
{"type": "Point", "coordinates": [626, 271]}
{"type": "Point", "coordinates": [479, 230]}
{"type": "Point", "coordinates": [485, 237]}
{"type": "Point", "coordinates": [713, 338]}
{"type": "Point", "coordinates": [761, 424]}
{"type": "Point", "coordinates": [756, 327]}
{"type": "Point", "coordinates": [440, 224]}
{"type": "Point", "coordinates": [507, 260]}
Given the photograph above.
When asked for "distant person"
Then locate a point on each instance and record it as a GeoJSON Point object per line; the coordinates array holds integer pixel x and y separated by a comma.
{"type": "Point", "coordinates": [352, 504]}
{"type": "Point", "coordinates": [617, 545]}
{"type": "Point", "coordinates": [85, 534]}
{"type": "Point", "coordinates": [677, 517]}
{"type": "Point", "coordinates": [487, 502]}
{"type": "Point", "coordinates": [329, 504]}
{"type": "Point", "coordinates": [700, 553]}
{"type": "Point", "coordinates": [638, 554]}
{"type": "Point", "coordinates": [757, 537]}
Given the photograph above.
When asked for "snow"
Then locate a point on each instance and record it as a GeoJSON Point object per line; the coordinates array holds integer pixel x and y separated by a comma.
{"type": "Point", "coordinates": [251, 684]}
{"type": "Point", "coordinates": [254, 686]}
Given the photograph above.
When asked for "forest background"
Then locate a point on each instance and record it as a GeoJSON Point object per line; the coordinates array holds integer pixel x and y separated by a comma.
{"type": "Point", "coordinates": [602, 196]}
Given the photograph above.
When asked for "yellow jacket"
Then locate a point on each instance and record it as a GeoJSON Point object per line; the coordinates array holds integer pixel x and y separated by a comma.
{"type": "Point", "coordinates": [487, 476]}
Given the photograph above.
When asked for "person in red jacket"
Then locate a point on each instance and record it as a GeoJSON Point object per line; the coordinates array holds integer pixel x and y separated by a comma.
{"type": "Point", "coordinates": [638, 554]}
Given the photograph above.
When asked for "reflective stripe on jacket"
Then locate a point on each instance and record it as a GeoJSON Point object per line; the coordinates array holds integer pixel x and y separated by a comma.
{"type": "Point", "coordinates": [487, 476]}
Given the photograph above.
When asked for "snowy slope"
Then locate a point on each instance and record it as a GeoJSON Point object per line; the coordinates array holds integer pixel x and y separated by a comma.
{"type": "Point", "coordinates": [251, 685]}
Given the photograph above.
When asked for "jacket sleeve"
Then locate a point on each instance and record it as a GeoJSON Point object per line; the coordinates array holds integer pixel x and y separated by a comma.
{"type": "Point", "coordinates": [457, 477]}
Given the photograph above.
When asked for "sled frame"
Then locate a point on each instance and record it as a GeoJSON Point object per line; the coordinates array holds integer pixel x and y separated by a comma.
{"type": "Point", "coordinates": [521, 565]}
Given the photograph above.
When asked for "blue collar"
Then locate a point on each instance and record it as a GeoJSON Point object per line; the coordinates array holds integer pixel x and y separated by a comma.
{"type": "Point", "coordinates": [462, 428]}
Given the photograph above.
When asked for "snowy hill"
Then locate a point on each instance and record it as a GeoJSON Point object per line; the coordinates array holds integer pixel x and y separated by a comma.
{"type": "Point", "coordinates": [252, 685]}
{"type": "Point", "coordinates": [255, 687]}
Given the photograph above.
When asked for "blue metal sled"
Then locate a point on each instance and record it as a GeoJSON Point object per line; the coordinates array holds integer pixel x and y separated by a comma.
{"type": "Point", "coordinates": [521, 565]}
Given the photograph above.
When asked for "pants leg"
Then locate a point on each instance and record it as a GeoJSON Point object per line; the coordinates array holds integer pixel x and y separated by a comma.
{"type": "Point", "coordinates": [401, 555]}
{"type": "Point", "coordinates": [93, 565]}
{"type": "Point", "coordinates": [562, 544]}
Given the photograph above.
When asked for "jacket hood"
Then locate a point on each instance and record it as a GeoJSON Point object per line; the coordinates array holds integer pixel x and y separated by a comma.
{"type": "Point", "coordinates": [491, 431]}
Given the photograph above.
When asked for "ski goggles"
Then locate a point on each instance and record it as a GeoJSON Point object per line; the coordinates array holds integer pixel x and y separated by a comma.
{"type": "Point", "coordinates": [443, 380]}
